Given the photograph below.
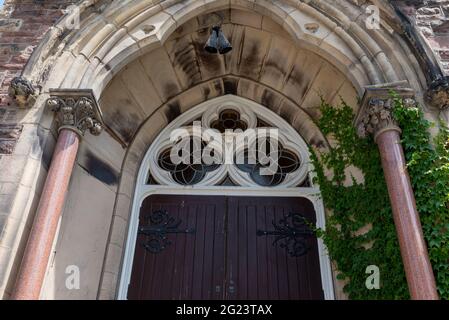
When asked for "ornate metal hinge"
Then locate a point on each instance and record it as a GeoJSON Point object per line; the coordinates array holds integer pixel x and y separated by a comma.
{"type": "Point", "coordinates": [291, 232]}
{"type": "Point", "coordinates": [158, 225]}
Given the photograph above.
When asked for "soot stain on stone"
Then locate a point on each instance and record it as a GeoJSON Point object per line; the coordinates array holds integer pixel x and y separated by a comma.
{"type": "Point", "coordinates": [172, 111]}
{"type": "Point", "coordinates": [295, 76]}
{"type": "Point", "coordinates": [206, 93]}
{"type": "Point", "coordinates": [186, 59]}
{"type": "Point", "coordinates": [269, 99]}
{"type": "Point", "coordinates": [100, 169]}
{"type": "Point", "coordinates": [298, 79]}
{"type": "Point", "coordinates": [210, 62]}
{"type": "Point", "coordinates": [46, 158]}
{"type": "Point", "coordinates": [170, 90]}
{"type": "Point", "coordinates": [251, 62]}
{"type": "Point", "coordinates": [42, 144]}
{"type": "Point", "coordinates": [287, 114]}
{"type": "Point", "coordinates": [274, 69]}
{"type": "Point", "coordinates": [125, 125]}
{"type": "Point", "coordinates": [230, 86]}
{"type": "Point", "coordinates": [218, 87]}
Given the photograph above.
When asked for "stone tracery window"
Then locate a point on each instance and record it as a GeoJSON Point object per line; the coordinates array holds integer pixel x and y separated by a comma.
{"type": "Point", "coordinates": [272, 155]}
{"type": "Point", "coordinates": [229, 120]}
{"type": "Point", "coordinates": [187, 172]}
{"type": "Point", "coordinates": [288, 162]}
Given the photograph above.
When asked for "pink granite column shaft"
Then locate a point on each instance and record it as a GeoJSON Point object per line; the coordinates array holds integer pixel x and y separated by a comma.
{"type": "Point", "coordinates": [39, 246]}
{"type": "Point", "coordinates": [418, 270]}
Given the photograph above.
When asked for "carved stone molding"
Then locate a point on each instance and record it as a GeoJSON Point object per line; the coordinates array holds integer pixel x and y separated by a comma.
{"type": "Point", "coordinates": [77, 110]}
{"type": "Point", "coordinates": [22, 91]}
{"type": "Point", "coordinates": [375, 115]}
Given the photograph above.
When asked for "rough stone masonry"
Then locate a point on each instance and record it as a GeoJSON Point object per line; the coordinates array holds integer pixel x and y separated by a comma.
{"type": "Point", "coordinates": [24, 23]}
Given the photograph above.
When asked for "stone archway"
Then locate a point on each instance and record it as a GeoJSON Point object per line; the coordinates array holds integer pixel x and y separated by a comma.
{"type": "Point", "coordinates": [153, 180]}
{"type": "Point", "coordinates": [105, 54]}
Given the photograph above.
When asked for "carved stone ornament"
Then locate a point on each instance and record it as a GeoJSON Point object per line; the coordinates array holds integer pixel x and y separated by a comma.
{"type": "Point", "coordinates": [22, 91]}
{"type": "Point", "coordinates": [375, 114]}
{"type": "Point", "coordinates": [77, 110]}
{"type": "Point", "coordinates": [377, 117]}
{"type": "Point", "coordinates": [438, 94]}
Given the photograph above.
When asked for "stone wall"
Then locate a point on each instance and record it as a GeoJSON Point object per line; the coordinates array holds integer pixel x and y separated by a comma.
{"type": "Point", "coordinates": [431, 18]}
{"type": "Point", "coordinates": [27, 136]}
{"type": "Point", "coordinates": [23, 24]}
{"type": "Point", "coordinates": [26, 143]}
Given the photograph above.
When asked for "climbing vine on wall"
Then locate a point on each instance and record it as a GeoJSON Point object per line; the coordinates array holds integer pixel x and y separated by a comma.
{"type": "Point", "coordinates": [428, 165]}
{"type": "Point", "coordinates": [360, 230]}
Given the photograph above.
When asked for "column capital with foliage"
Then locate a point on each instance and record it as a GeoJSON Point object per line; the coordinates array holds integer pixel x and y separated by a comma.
{"type": "Point", "coordinates": [77, 110]}
{"type": "Point", "coordinates": [376, 109]}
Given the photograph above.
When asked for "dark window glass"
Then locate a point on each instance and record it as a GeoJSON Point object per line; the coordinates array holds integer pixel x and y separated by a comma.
{"type": "Point", "coordinates": [287, 162]}
{"type": "Point", "coordinates": [229, 120]}
{"type": "Point", "coordinates": [187, 172]}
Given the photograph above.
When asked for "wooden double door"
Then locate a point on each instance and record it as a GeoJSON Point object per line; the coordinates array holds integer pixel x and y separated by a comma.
{"type": "Point", "coordinates": [202, 247]}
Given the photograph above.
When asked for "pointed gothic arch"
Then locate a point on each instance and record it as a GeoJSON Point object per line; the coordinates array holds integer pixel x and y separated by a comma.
{"type": "Point", "coordinates": [300, 186]}
{"type": "Point", "coordinates": [113, 35]}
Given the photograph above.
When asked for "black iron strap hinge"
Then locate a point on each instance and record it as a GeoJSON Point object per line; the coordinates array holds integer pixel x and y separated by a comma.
{"type": "Point", "coordinates": [158, 225]}
{"type": "Point", "coordinates": [291, 233]}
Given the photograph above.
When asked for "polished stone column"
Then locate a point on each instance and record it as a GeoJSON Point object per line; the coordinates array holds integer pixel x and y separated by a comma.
{"type": "Point", "coordinates": [77, 112]}
{"type": "Point", "coordinates": [375, 118]}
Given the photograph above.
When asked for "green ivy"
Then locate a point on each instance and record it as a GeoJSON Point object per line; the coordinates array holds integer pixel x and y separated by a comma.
{"type": "Point", "coordinates": [355, 206]}
{"type": "Point", "coordinates": [428, 165]}
{"type": "Point", "coordinates": [360, 230]}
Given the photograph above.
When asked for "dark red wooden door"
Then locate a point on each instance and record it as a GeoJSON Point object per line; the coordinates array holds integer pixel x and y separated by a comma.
{"type": "Point", "coordinates": [192, 266]}
{"type": "Point", "coordinates": [221, 256]}
{"type": "Point", "coordinates": [258, 270]}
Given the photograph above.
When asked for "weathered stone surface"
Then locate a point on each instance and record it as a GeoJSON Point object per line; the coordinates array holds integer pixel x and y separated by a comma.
{"type": "Point", "coordinates": [272, 63]}
{"type": "Point", "coordinates": [431, 18]}
{"type": "Point", "coordinates": [86, 213]}
{"type": "Point", "coordinates": [8, 138]}
{"type": "Point", "coordinates": [182, 64]}
{"type": "Point", "coordinates": [22, 91]}
{"type": "Point", "coordinates": [22, 27]}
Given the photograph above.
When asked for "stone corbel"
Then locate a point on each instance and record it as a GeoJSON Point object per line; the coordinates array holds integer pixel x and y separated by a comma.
{"type": "Point", "coordinates": [77, 110]}
{"type": "Point", "coordinates": [22, 91]}
{"type": "Point", "coordinates": [375, 115]}
{"type": "Point", "coordinates": [438, 94]}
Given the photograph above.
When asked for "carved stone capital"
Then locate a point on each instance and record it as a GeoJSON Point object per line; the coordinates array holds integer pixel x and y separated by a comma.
{"type": "Point", "coordinates": [77, 110]}
{"type": "Point", "coordinates": [375, 115]}
{"type": "Point", "coordinates": [22, 91]}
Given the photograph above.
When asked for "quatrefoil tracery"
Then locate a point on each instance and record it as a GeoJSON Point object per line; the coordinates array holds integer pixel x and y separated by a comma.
{"type": "Point", "coordinates": [278, 164]}
{"type": "Point", "coordinates": [229, 120]}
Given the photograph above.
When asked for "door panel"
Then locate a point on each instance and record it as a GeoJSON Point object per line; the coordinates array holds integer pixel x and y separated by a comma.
{"type": "Point", "coordinates": [258, 270]}
{"type": "Point", "coordinates": [224, 258]}
{"type": "Point", "coordinates": [192, 266]}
